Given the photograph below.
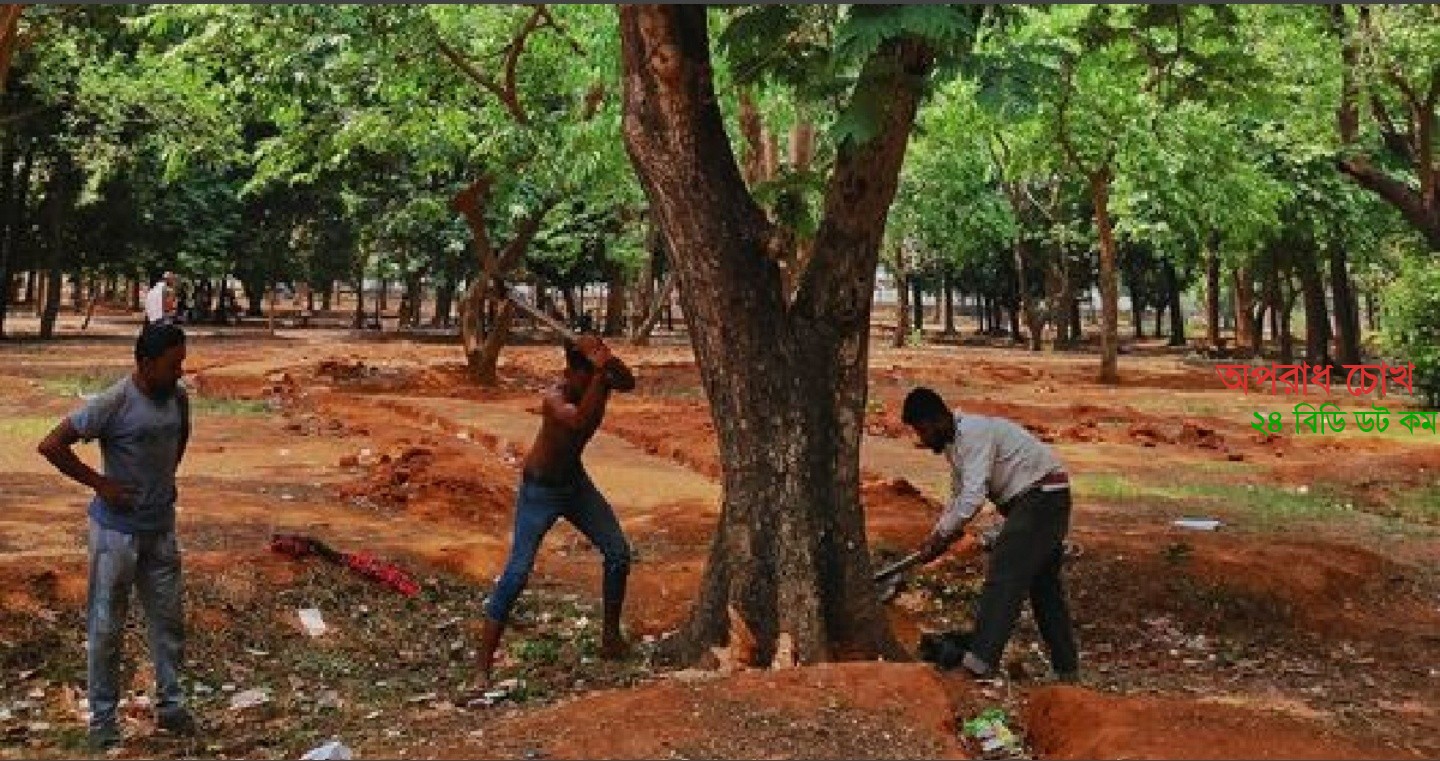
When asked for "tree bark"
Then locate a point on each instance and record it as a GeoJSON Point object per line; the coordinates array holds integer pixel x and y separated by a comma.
{"type": "Point", "coordinates": [789, 561]}
{"type": "Point", "coordinates": [1246, 331]}
{"type": "Point", "coordinates": [1137, 315]}
{"type": "Point", "coordinates": [949, 304]}
{"type": "Point", "coordinates": [1109, 291]}
{"type": "Point", "coordinates": [1212, 297]}
{"type": "Point", "coordinates": [1420, 206]}
{"type": "Point", "coordinates": [1317, 315]}
{"type": "Point", "coordinates": [657, 308]}
{"type": "Point", "coordinates": [1177, 313]}
{"type": "Point", "coordinates": [615, 304]}
{"type": "Point", "coordinates": [917, 306]}
{"type": "Point", "coordinates": [902, 298]}
{"type": "Point", "coordinates": [1287, 339]}
{"type": "Point", "coordinates": [1347, 311]}
{"type": "Point", "coordinates": [60, 197]}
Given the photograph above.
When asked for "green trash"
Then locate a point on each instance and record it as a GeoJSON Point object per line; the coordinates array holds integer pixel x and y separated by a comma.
{"type": "Point", "coordinates": [991, 731]}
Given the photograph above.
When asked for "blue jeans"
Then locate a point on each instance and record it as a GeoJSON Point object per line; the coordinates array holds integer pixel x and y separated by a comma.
{"type": "Point", "coordinates": [151, 564]}
{"type": "Point", "coordinates": [537, 507]}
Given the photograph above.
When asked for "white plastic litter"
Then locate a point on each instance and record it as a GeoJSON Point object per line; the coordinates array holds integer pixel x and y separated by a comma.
{"type": "Point", "coordinates": [1197, 524]}
{"type": "Point", "coordinates": [313, 622]}
{"type": "Point", "coordinates": [331, 751]}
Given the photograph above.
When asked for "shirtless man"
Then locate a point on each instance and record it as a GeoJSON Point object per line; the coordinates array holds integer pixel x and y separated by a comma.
{"type": "Point", "coordinates": [555, 485]}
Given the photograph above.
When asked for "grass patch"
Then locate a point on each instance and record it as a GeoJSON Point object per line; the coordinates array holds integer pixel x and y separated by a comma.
{"type": "Point", "coordinates": [221, 407]}
{"type": "Point", "coordinates": [1117, 487]}
{"type": "Point", "coordinates": [30, 429]}
{"type": "Point", "coordinates": [84, 383]}
{"type": "Point", "coordinates": [1421, 505]}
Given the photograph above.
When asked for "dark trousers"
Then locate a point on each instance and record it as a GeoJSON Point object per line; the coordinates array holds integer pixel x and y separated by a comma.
{"type": "Point", "coordinates": [1026, 562]}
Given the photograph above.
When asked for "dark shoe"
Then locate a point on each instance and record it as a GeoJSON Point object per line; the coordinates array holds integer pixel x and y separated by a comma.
{"type": "Point", "coordinates": [177, 722]}
{"type": "Point", "coordinates": [104, 737]}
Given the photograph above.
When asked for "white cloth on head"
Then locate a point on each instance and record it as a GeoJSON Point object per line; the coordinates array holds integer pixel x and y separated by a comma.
{"type": "Point", "coordinates": [155, 302]}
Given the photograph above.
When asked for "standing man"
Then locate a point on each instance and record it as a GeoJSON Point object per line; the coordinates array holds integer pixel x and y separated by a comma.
{"type": "Point", "coordinates": [555, 485]}
{"type": "Point", "coordinates": [995, 458]}
{"type": "Point", "coordinates": [142, 423]}
{"type": "Point", "coordinates": [160, 300]}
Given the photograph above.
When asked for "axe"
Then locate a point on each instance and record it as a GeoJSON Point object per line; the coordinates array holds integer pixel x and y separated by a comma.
{"type": "Point", "coordinates": [889, 577]}
{"type": "Point", "coordinates": [538, 314]}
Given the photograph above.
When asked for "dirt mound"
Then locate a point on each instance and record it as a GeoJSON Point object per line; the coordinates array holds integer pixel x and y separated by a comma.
{"type": "Point", "coordinates": [436, 481]}
{"type": "Point", "coordinates": [681, 431]}
{"type": "Point", "coordinates": [1069, 722]}
{"type": "Point", "coordinates": [852, 710]}
{"type": "Point", "coordinates": [1228, 582]}
{"type": "Point", "coordinates": [896, 512]}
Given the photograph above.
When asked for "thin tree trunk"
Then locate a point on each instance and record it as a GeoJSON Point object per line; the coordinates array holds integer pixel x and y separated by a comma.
{"type": "Point", "coordinates": [1246, 331]}
{"type": "Point", "coordinates": [1109, 291]}
{"type": "Point", "coordinates": [615, 304]}
{"type": "Point", "coordinates": [359, 321]}
{"type": "Point", "coordinates": [917, 307]}
{"type": "Point", "coordinates": [444, 302]}
{"type": "Point", "coordinates": [902, 314]}
{"type": "Point", "coordinates": [1212, 297]}
{"type": "Point", "coordinates": [1347, 312]}
{"type": "Point", "coordinates": [1177, 314]}
{"type": "Point", "coordinates": [1287, 338]}
{"type": "Point", "coordinates": [1137, 315]}
{"type": "Point", "coordinates": [1317, 315]}
{"type": "Point", "coordinates": [658, 306]}
{"type": "Point", "coordinates": [1370, 311]}
{"type": "Point", "coordinates": [949, 304]}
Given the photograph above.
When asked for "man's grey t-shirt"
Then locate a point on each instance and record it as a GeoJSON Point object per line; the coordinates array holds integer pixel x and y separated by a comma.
{"type": "Point", "coordinates": [139, 440]}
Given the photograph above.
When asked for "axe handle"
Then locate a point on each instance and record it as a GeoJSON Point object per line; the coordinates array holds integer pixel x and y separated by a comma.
{"type": "Point", "coordinates": [553, 323]}
{"type": "Point", "coordinates": [899, 566]}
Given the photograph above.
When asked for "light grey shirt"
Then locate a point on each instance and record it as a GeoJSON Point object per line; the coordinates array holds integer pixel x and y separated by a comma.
{"type": "Point", "coordinates": [139, 442]}
{"type": "Point", "coordinates": [990, 458]}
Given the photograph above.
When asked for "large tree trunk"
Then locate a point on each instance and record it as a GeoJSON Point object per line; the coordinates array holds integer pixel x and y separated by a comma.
{"type": "Point", "coordinates": [1347, 310]}
{"type": "Point", "coordinates": [1317, 315]}
{"type": "Point", "coordinates": [1246, 332]}
{"type": "Point", "coordinates": [790, 561]}
{"type": "Point", "coordinates": [1109, 290]}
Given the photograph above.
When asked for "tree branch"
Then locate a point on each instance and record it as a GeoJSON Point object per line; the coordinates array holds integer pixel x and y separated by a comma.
{"type": "Point", "coordinates": [1397, 193]}
{"type": "Point", "coordinates": [550, 21]}
{"type": "Point", "coordinates": [1399, 143]}
{"type": "Point", "coordinates": [862, 186]}
{"type": "Point", "coordinates": [471, 70]}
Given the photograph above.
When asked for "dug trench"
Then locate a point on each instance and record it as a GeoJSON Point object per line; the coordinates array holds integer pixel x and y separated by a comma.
{"type": "Point", "coordinates": [1256, 645]}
